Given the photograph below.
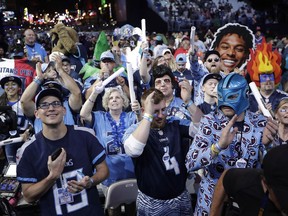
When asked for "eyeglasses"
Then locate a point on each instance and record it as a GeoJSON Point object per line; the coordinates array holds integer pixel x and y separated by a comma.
{"type": "Point", "coordinates": [162, 81]}
{"type": "Point", "coordinates": [55, 104]}
{"type": "Point", "coordinates": [215, 60]}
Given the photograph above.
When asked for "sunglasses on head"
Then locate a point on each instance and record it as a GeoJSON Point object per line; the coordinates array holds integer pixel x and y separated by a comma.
{"type": "Point", "coordinates": [215, 60]}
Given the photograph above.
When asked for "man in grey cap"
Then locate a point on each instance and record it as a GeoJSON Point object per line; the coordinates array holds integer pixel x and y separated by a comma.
{"type": "Point", "coordinates": [107, 67]}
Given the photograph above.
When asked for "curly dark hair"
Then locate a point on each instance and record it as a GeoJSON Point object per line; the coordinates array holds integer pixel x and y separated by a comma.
{"type": "Point", "coordinates": [235, 28]}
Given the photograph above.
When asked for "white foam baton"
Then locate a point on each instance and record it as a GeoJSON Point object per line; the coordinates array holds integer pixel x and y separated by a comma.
{"type": "Point", "coordinates": [11, 141]}
{"type": "Point", "coordinates": [113, 76]}
{"type": "Point", "coordinates": [192, 36]}
{"type": "Point", "coordinates": [131, 82]}
{"type": "Point", "coordinates": [243, 66]}
{"type": "Point", "coordinates": [143, 28]}
{"type": "Point", "coordinates": [259, 99]}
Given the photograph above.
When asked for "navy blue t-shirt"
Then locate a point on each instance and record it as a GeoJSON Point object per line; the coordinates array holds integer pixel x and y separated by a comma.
{"type": "Point", "coordinates": [83, 153]}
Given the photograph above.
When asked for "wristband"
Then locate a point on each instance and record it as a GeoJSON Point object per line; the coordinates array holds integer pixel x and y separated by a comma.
{"type": "Point", "coordinates": [148, 117]}
{"type": "Point", "coordinates": [218, 147]}
{"type": "Point", "coordinates": [92, 181]}
{"type": "Point", "coordinates": [214, 149]}
{"type": "Point", "coordinates": [189, 104]}
{"type": "Point", "coordinates": [37, 81]}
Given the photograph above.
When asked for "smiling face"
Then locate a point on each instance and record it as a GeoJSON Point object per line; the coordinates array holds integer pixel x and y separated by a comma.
{"type": "Point", "coordinates": [12, 89]}
{"type": "Point", "coordinates": [232, 51]}
{"type": "Point", "coordinates": [53, 115]}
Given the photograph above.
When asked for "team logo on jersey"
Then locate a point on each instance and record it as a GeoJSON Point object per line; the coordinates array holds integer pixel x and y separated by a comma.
{"type": "Point", "coordinates": [160, 132]}
{"type": "Point", "coordinates": [194, 154]}
{"type": "Point", "coordinates": [219, 167]}
{"type": "Point", "coordinates": [202, 144]}
{"type": "Point", "coordinates": [262, 123]}
{"type": "Point", "coordinates": [223, 124]}
{"type": "Point", "coordinates": [216, 126]}
{"type": "Point", "coordinates": [207, 130]}
{"type": "Point", "coordinates": [231, 162]}
{"type": "Point", "coordinates": [253, 140]}
{"type": "Point", "coordinates": [252, 153]}
{"type": "Point", "coordinates": [246, 128]}
{"type": "Point", "coordinates": [204, 161]}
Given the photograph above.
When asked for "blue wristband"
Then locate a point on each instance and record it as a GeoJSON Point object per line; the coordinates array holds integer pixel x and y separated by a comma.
{"type": "Point", "coordinates": [189, 104]}
{"type": "Point", "coordinates": [218, 147]}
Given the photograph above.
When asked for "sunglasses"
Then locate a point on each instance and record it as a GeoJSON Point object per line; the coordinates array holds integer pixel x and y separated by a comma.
{"type": "Point", "coordinates": [162, 81]}
{"type": "Point", "coordinates": [107, 60]}
{"type": "Point", "coordinates": [215, 60]}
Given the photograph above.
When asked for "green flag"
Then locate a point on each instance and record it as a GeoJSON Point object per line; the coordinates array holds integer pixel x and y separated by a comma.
{"type": "Point", "coordinates": [101, 46]}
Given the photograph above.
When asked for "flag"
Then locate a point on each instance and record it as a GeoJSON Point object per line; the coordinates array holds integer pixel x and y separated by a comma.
{"type": "Point", "coordinates": [23, 68]}
{"type": "Point", "coordinates": [101, 46]}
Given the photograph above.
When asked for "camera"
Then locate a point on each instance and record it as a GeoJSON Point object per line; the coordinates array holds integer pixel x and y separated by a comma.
{"type": "Point", "coordinates": [8, 122]}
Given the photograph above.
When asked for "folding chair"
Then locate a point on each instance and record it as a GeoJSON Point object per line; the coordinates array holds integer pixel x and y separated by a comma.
{"type": "Point", "coordinates": [121, 192]}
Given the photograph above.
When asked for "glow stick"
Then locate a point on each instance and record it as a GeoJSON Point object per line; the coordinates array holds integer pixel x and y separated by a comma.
{"type": "Point", "coordinates": [259, 100]}
{"type": "Point", "coordinates": [192, 36]}
{"type": "Point", "coordinates": [143, 28]}
{"type": "Point", "coordinates": [243, 66]}
{"type": "Point", "coordinates": [113, 76]}
{"type": "Point", "coordinates": [131, 82]}
{"type": "Point", "coordinates": [11, 141]}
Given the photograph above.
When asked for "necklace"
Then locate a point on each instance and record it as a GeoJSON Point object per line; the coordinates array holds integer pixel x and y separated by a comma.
{"type": "Point", "coordinates": [117, 130]}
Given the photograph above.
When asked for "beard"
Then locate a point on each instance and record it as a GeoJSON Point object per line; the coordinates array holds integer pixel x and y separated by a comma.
{"type": "Point", "coordinates": [158, 124]}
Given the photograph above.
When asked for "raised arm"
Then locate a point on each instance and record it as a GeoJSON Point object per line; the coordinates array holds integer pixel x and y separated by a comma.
{"type": "Point", "coordinates": [28, 95]}
{"type": "Point", "coordinates": [86, 111]}
{"type": "Point", "coordinates": [194, 111]}
{"type": "Point", "coordinates": [75, 98]}
{"type": "Point", "coordinates": [144, 73]}
{"type": "Point", "coordinates": [135, 143]}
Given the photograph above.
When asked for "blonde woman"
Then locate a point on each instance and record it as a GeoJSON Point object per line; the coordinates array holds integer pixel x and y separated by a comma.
{"type": "Point", "coordinates": [110, 127]}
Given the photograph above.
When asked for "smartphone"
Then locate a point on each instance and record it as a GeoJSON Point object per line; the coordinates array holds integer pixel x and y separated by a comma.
{"type": "Point", "coordinates": [56, 153]}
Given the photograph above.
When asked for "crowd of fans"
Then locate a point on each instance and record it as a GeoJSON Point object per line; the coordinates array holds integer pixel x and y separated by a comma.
{"type": "Point", "coordinates": [186, 103]}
